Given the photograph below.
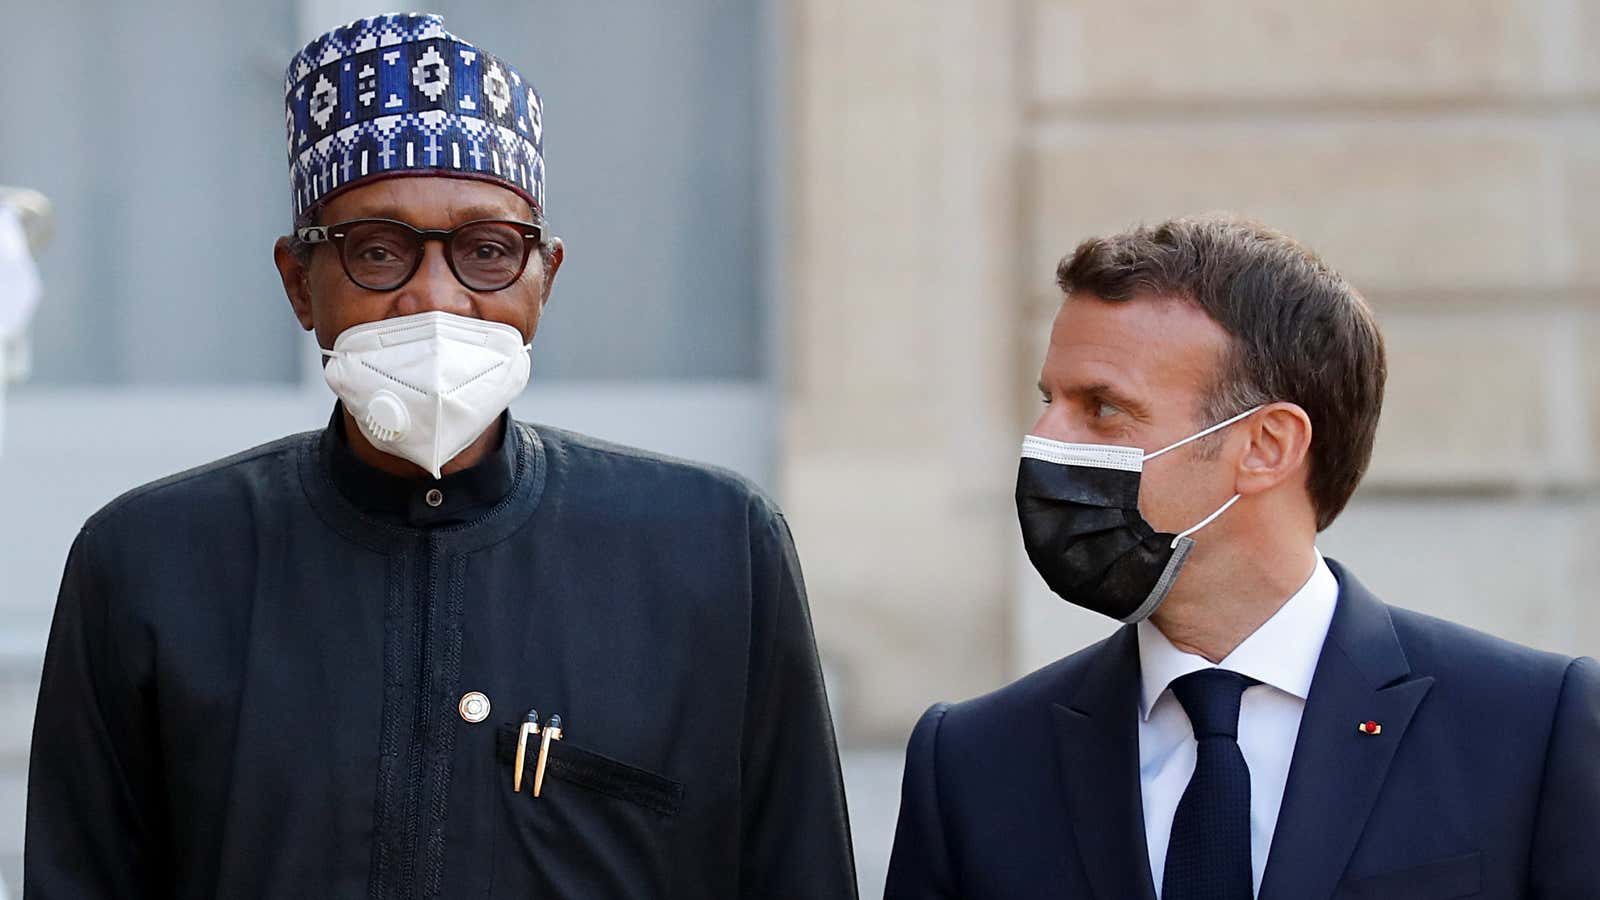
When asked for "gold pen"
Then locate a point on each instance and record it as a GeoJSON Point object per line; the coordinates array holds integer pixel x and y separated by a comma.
{"type": "Point", "coordinates": [552, 732]}
{"type": "Point", "coordinates": [530, 726]}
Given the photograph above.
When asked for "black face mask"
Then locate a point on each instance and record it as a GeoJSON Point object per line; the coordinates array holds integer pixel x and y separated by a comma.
{"type": "Point", "coordinates": [1078, 505]}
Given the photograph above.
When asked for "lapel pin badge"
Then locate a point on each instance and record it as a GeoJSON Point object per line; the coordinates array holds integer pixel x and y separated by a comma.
{"type": "Point", "coordinates": [1370, 727]}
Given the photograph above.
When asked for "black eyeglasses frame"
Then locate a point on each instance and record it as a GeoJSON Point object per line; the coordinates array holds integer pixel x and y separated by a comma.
{"type": "Point", "coordinates": [532, 233]}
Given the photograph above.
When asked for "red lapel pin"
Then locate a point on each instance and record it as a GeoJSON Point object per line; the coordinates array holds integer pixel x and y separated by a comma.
{"type": "Point", "coordinates": [1370, 727]}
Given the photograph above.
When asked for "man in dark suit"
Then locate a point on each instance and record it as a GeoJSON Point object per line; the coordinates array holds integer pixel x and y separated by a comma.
{"type": "Point", "coordinates": [1263, 726]}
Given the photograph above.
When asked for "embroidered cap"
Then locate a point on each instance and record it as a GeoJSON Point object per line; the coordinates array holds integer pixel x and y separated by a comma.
{"type": "Point", "coordinates": [398, 95]}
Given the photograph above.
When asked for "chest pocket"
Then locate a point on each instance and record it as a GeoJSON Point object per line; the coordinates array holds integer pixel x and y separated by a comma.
{"type": "Point", "coordinates": [1444, 879]}
{"type": "Point", "coordinates": [600, 828]}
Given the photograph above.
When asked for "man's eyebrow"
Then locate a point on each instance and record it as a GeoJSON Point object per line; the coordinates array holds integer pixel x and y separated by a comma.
{"type": "Point", "coordinates": [1100, 390]}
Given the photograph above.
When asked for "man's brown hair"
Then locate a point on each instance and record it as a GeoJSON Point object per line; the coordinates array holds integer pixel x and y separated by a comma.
{"type": "Point", "coordinates": [1300, 333]}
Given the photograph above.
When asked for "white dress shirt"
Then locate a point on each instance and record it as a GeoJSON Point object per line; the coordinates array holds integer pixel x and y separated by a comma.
{"type": "Point", "coordinates": [1282, 654]}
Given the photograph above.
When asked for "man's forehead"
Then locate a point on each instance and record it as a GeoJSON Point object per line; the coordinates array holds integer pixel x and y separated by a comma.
{"type": "Point", "coordinates": [1142, 344]}
{"type": "Point", "coordinates": [428, 200]}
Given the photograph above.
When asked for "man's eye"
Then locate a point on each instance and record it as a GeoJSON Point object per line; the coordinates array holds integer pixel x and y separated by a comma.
{"type": "Point", "coordinates": [1103, 410]}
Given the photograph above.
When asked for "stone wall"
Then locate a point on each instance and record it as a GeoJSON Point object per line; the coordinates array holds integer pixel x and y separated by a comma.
{"type": "Point", "coordinates": [901, 313]}
{"type": "Point", "coordinates": [1444, 157]}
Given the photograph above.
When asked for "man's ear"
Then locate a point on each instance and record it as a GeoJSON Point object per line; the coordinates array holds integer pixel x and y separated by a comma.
{"type": "Point", "coordinates": [558, 252]}
{"type": "Point", "coordinates": [1280, 444]}
{"type": "Point", "coordinates": [296, 284]}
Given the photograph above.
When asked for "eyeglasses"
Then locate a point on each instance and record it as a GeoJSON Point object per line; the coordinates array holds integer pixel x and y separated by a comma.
{"type": "Point", "coordinates": [382, 254]}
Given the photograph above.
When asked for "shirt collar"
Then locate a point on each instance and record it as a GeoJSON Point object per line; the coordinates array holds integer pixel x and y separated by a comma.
{"type": "Point", "coordinates": [461, 496]}
{"type": "Point", "coordinates": [1283, 652]}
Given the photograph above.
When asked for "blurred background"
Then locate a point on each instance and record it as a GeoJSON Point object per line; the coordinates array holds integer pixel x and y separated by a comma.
{"type": "Point", "coordinates": [814, 241]}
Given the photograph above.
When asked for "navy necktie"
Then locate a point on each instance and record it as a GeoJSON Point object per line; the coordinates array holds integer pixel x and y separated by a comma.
{"type": "Point", "coordinates": [1208, 855]}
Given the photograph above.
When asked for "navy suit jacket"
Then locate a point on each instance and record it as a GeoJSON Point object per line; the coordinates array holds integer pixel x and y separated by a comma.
{"type": "Point", "coordinates": [1484, 782]}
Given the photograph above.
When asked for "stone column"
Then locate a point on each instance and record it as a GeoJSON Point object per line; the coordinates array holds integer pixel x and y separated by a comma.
{"type": "Point", "coordinates": [901, 307]}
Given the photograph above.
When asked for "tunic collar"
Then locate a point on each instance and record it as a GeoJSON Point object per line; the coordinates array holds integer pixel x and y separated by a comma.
{"type": "Point", "coordinates": [425, 503]}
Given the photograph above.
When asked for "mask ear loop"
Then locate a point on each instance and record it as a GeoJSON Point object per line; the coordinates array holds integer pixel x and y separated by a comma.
{"type": "Point", "coordinates": [1206, 521]}
{"type": "Point", "coordinates": [1198, 435]}
{"type": "Point", "coordinates": [1195, 437]}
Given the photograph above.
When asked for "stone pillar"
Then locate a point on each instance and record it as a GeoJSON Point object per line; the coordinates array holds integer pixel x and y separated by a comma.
{"type": "Point", "coordinates": [901, 307]}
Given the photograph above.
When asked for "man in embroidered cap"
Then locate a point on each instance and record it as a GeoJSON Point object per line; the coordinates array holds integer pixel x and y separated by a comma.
{"type": "Point", "coordinates": [430, 651]}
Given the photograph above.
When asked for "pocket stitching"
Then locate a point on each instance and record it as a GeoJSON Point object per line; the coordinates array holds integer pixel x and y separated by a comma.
{"type": "Point", "coordinates": [1432, 870]}
{"type": "Point", "coordinates": [622, 781]}
{"type": "Point", "coordinates": [602, 774]}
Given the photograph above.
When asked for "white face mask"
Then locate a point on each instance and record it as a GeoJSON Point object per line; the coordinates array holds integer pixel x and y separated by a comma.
{"type": "Point", "coordinates": [424, 387]}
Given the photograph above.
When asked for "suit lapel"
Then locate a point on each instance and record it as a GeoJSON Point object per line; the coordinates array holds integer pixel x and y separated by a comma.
{"type": "Point", "coordinates": [1337, 770]}
{"type": "Point", "coordinates": [1097, 746]}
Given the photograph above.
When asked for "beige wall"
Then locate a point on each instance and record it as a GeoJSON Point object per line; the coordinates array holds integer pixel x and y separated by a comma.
{"type": "Point", "coordinates": [1443, 155]}
{"type": "Point", "coordinates": [902, 312]}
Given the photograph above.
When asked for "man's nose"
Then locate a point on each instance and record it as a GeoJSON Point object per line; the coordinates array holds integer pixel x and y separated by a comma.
{"type": "Point", "coordinates": [434, 288]}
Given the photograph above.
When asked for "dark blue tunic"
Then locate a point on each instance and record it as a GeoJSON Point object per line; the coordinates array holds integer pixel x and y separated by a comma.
{"type": "Point", "coordinates": [253, 678]}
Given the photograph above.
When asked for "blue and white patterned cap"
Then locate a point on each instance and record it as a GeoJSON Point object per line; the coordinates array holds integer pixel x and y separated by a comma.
{"type": "Point", "coordinates": [399, 95]}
